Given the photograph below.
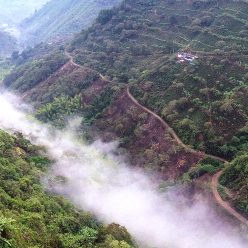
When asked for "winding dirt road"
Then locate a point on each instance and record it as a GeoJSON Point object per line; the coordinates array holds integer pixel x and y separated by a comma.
{"type": "Point", "coordinates": [224, 204]}
{"type": "Point", "coordinates": [215, 178]}
{"type": "Point", "coordinates": [71, 59]}
{"type": "Point", "coordinates": [77, 65]}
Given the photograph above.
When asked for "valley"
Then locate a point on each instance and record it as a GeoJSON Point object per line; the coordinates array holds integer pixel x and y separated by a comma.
{"type": "Point", "coordinates": [178, 124]}
{"type": "Point", "coordinates": [215, 178]}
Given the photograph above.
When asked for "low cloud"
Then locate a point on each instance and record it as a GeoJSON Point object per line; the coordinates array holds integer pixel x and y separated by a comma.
{"type": "Point", "coordinates": [98, 180]}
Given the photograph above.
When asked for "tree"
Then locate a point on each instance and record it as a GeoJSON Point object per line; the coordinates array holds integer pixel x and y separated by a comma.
{"type": "Point", "coordinates": [118, 232]}
{"type": "Point", "coordinates": [173, 20]}
{"type": "Point", "coordinates": [15, 55]}
{"type": "Point", "coordinates": [104, 16]}
{"type": "Point", "coordinates": [227, 106]}
{"type": "Point", "coordinates": [110, 242]}
{"type": "Point", "coordinates": [4, 242]}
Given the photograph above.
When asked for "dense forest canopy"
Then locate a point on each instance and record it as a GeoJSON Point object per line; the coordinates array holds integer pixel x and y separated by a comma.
{"type": "Point", "coordinates": [29, 216]}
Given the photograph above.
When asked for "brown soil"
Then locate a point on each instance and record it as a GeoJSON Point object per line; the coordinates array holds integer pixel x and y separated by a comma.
{"type": "Point", "coordinates": [90, 93]}
{"type": "Point", "coordinates": [149, 138]}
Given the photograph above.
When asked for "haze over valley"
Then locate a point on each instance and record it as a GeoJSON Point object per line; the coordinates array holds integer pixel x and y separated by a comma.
{"type": "Point", "coordinates": [123, 124]}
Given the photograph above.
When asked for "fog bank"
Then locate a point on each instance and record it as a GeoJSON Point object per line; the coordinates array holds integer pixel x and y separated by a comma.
{"type": "Point", "coordinates": [99, 181]}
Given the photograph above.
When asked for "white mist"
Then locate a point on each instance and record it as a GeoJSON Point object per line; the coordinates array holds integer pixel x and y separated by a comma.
{"type": "Point", "coordinates": [98, 180]}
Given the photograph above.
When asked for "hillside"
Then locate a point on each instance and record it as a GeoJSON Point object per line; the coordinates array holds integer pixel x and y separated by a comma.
{"type": "Point", "coordinates": [29, 217]}
{"type": "Point", "coordinates": [8, 44]}
{"type": "Point", "coordinates": [135, 44]}
{"type": "Point", "coordinates": [204, 99]}
{"type": "Point", "coordinates": [5, 20]}
{"type": "Point", "coordinates": [59, 19]}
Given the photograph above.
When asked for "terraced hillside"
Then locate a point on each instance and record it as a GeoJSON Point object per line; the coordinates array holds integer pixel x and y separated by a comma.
{"type": "Point", "coordinates": [139, 45]}
{"type": "Point", "coordinates": [136, 44]}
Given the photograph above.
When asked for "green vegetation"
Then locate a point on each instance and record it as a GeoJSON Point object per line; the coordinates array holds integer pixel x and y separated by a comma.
{"type": "Point", "coordinates": [57, 111]}
{"type": "Point", "coordinates": [29, 217]}
{"type": "Point", "coordinates": [32, 53]}
{"type": "Point", "coordinates": [207, 165]}
{"type": "Point", "coordinates": [4, 69]}
{"type": "Point", "coordinates": [32, 73]}
{"type": "Point", "coordinates": [135, 44]}
{"type": "Point", "coordinates": [235, 177]}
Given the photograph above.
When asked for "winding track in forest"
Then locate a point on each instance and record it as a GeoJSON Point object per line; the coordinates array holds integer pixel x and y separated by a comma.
{"type": "Point", "coordinates": [216, 176]}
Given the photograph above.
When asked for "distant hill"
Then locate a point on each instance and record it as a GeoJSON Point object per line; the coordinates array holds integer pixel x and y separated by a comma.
{"type": "Point", "coordinates": [7, 44]}
{"type": "Point", "coordinates": [18, 10]}
{"type": "Point", "coordinates": [5, 20]}
{"type": "Point", "coordinates": [61, 18]}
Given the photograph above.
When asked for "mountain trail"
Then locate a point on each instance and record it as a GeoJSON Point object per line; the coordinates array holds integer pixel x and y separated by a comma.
{"type": "Point", "coordinates": [77, 65]}
{"type": "Point", "coordinates": [216, 176]}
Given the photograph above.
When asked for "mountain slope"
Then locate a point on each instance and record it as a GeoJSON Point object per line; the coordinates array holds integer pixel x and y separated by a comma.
{"type": "Point", "coordinates": [137, 47]}
{"type": "Point", "coordinates": [134, 44]}
{"type": "Point", "coordinates": [61, 18]}
{"type": "Point", "coordinates": [29, 217]}
{"type": "Point", "coordinates": [7, 44]}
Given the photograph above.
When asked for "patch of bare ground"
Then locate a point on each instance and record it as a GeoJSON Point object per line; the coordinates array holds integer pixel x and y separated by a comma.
{"type": "Point", "coordinates": [64, 81]}
{"type": "Point", "coordinates": [35, 92]}
{"type": "Point", "coordinates": [94, 89]}
{"type": "Point", "coordinates": [148, 141]}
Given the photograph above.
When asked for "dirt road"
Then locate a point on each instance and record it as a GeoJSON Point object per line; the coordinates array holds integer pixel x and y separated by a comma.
{"type": "Point", "coordinates": [215, 178]}
{"type": "Point", "coordinates": [224, 204]}
{"type": "Point", "coordinates": [77, 65]}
